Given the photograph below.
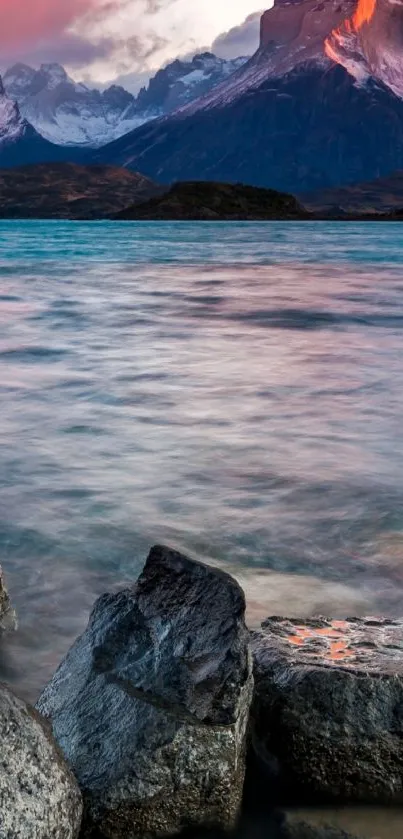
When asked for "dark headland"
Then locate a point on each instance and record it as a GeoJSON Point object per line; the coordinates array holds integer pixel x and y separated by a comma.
{"type": "Point", "coordinates": [211, 201]}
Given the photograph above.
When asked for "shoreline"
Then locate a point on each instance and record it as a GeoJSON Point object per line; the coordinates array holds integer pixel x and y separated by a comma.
{"type": "Point", "coordinates": [300, 664]}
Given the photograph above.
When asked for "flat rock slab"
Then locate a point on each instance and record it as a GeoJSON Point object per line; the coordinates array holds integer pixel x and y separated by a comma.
{"type": "Point", "coordinates": [39, 797]}
{"type": "Point", "coordinates": [151, 704]}
{"type": "Point", "coordinates": [328, 707]}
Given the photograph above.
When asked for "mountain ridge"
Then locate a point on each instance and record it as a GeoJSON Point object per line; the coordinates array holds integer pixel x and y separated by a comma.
{"type": "Point", "coordinates": [70, 113]}
{"type": "Point", "coordinates": [291, 118]}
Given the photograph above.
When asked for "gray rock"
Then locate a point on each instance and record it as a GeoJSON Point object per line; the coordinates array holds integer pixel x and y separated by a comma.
{"type": "Point", "coordinates": [327, 715]}
{"type": "Point", "coordinates": [8, 620]}
{"type": "Point", "coordinates": [151, 704]}
{"type": "Point", "coordinates": [39, 797]}
{"type": "Point", "coordinates": [300, 825]}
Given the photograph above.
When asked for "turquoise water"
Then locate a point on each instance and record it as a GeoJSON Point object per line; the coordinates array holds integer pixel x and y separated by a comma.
{"type": "Point", "coordinates": [235, 390]}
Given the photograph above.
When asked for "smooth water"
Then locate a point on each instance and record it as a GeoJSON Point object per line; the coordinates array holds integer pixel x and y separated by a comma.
{"type": "Point", "coordinates": [234, 390]}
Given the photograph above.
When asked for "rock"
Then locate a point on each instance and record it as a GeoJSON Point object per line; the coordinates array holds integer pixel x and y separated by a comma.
{"type": "Point", "coordinates": [8, 618]}
{"type": "Point", "coordinates": [327, 715]}
{"type": "Point", "coordinates": [39, 798]}
{"type": "Point", "coordinates": [151, 704]}
{"type": "Point", "coordinates": [341, 823]}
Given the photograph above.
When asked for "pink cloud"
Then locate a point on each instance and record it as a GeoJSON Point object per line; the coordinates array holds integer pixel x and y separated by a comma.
{"type": "Point", "coordinates": [29, 21]}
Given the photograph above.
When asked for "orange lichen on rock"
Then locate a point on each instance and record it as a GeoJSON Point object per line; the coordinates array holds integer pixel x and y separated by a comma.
{"type": "Point", "coordinates": [332, 645]}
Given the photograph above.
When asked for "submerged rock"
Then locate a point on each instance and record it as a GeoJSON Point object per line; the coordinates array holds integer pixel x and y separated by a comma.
{"type": "Point", "coordinates": [8, 619]}
{"type": "Point", "coordinates": [327, 715]}
{"type": "Point", "coordinates": [39, 798]}
{"type": "Point", "coordinates": [151, 704]}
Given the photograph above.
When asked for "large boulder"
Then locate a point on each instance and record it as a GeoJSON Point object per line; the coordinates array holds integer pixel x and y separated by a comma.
{"type": "Point", "coordinates": [8, 619]}
{"type": "Point", "coordinates": [151, 704]}
{"type": "Point", "coordinates": [327, 715]}
{"type": "Point", "coordinates": [39, 797]}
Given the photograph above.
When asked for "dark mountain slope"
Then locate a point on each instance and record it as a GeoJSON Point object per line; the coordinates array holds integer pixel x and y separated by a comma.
{"type": "Point", "coordinates": [380, 196]}
{"type": "Point", "coordinates": [312, 128]}
{"type": "Point", "coordinates": [30, 148]}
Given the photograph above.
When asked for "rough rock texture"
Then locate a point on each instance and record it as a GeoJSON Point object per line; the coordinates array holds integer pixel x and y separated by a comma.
{"type": "Point", "coordinates": [151, 704]}
{"type": "Point", "coordinates": [328, 707]}
{"type": "Point", "coordinates": [369, 42]}
{"type": "Point", "coordinates": [340, 823]}
{"type": "Point", "coordinates": [8, 618]}
{"type": "Point", "coordinates": [39, 798]}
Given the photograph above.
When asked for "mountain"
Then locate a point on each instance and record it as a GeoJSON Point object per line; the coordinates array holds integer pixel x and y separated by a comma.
{"type": "Point", "coordinates": [70, 113]}
{"type": "Point", "coordinates": [19, 142]}
{"type": "Point", "coordinates": [383, 195]}
{"type": "Point", "coordinates": [214, 201]}
{"type": "Point", "coordinates": [182, 82]}
{"type": "Point", "coordinates": [369, 43]}
{"type": "Point", "coordinates": [293, 117]}
{"type": "Point", "coordinates": [68, 191]}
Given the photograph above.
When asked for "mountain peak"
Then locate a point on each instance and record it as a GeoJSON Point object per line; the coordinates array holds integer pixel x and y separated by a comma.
{"type": "Point", "coordinates": [369, 42]}
{"type": "Point", "coordinates": [12, 125]}
{"type": "Point", "coordinates": [54, 73]}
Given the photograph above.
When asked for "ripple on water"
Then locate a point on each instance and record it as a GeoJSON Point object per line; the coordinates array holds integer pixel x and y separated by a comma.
{"type": "Point", "coordinates": [238, 397]}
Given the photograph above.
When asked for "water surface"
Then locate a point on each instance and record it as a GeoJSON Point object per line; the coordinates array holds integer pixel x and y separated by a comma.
{"type": "Point", "coordinates": [234, 390]}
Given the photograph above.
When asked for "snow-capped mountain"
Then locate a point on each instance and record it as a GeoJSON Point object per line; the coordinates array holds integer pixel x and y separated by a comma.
{"type": "Point", "coordinates": [295, 116]}
{"type": "Point", "coordinates": [182, 82]}
{"type": "Point", "coordinates": [20, 143]}
{"type": "Point", "coordinates": [12, 125]}
{"type": "Point", "coordinates": [70, 113]}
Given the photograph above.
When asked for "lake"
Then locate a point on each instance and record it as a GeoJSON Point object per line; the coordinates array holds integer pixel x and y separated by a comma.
{"type": "Point", "coordinates": [233, 390]}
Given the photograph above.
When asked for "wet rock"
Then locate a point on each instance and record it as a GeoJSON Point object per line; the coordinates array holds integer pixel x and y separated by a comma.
{"type": "Point", "coordinates": [341, 823]}
{"type": "Point", "coordinates": [151, 704]}
{"type": "Point", "coordinates": [8, 619]}
{"type": "Point", "coordinates": [39, 798]}
{"type": "Point", "coordinates": [301, 825]}
{"type": "Point", "coordinates": [327, 717]}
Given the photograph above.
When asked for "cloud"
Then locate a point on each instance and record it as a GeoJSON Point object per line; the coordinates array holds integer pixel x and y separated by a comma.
{"type": "Point", "coordinates": [76, 33]}
{"type": "Point", "coordinates": [240, 40]}
{"type": "Point", "coordinates": [23, 22]}
{"type": "Point", "coordinates": [104, 39]}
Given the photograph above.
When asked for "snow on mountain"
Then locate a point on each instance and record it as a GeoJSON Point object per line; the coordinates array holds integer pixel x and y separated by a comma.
{"type": "Point", "coordinates": [12, 125]}
{"type": "Point", "coordinates": [369, 43]}
{"type": "Point", "coordinates": [293, 32]}
{"type": "Point", "coordinates": [71, 114]}
{"type": "Point", "coordinates": [21, 144]}
{"type": "Point", "coordinates": [68, 113]}
{"type": "Point", "coordinates": [182, 82]}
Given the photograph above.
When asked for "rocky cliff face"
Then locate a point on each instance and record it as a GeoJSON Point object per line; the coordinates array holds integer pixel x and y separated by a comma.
{"type": "Point", "coordinates": [370, 41]}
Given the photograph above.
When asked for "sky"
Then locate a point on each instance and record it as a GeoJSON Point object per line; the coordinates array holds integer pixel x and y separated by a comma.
{"type": "Point", "coordinates": [104, 40]}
